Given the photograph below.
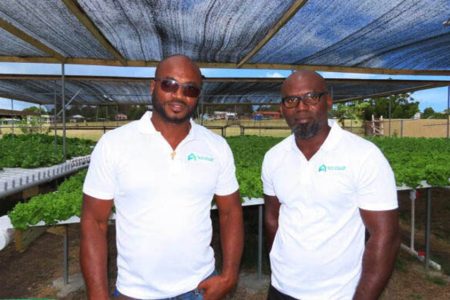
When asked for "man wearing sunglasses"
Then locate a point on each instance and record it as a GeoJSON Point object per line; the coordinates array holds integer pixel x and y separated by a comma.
{"type": "Point", "coordinates": [161, 173]}
{"type": "Point", "coordinates": [323, 187]}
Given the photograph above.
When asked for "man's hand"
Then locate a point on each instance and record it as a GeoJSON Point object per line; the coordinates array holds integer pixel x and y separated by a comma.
{"type": "Point", "coordinates": [217, 287]}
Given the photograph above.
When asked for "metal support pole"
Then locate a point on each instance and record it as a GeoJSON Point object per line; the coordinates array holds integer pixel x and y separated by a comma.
{"type": "Point", "coordinates": [40, 118]}
{"type": "Point", "coordinates": [401, 128]}
{"type": "Point", "coordinates": [66, 254]}
{"type": "Point", "coordinates": [390, 116]}
{"type": "Point", "coordinates": [428, 229]}
{"type": "Point", "coordinates": [12, 112]}
{"type": "Point", "coordinates": [260, 239]}
{"type": "Point", "coordinates": [55, 119]}
{"type": "Point", "coordinates": [117, 115]}
{"type": "Point", "coordinates": [448, 112]}
{"type": "Point", "coordinates": [63, 87]}
{"type": "Point", "coordinates": [412, 196]}
{"type": "Point", "coordinates": [202, 111]}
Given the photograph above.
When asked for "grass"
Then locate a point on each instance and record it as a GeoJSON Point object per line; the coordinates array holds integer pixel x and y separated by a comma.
{"type": "Point", "coordinates": [436, 280]}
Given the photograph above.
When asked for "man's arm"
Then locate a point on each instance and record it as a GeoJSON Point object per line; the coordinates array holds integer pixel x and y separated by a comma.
{"type": "Point", "coordinates": [94, 248]}
{"type": "Point", "coordinates": [232, 243]}
{"type": "Point", "coordinates": [271, 212]}
{"type": "Point", "coordinates": [379, 254]}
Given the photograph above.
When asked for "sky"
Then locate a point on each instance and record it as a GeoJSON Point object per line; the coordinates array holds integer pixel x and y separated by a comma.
{"type": "Point", "coordinates": [436, 98]}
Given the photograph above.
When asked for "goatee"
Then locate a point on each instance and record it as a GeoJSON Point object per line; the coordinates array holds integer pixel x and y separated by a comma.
{"type": "Point", "coordinates": [306, 130]}
{"type": "Point", "coordinates": [159, 109]}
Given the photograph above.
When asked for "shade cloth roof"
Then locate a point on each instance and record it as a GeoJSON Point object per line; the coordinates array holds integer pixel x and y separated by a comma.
{"type": "Point", "coordinates": [119, 90]}
{"type": "Point", "coordinates": [383, 36]}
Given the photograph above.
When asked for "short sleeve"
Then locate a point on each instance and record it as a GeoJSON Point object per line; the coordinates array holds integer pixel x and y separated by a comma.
{"type": "Point", "coordinates": [375, 186]}
{"type": "Point", "coordinates": [266, 178]}
{"type": "Point", "coordinates": [99, 182]}
{"type": "Point", "coordinates": [227, 182]}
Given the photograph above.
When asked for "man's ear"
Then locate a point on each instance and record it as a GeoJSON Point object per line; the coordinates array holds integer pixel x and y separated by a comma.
{"type": "Point", "coordinates": [329, 102]}
{"type": "Point", "coordinates": [152, 86]}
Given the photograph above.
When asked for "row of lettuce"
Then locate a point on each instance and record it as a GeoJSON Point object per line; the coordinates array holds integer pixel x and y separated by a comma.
{"type": "Point", "coordinates": [39, 150]}
{"type": "Point", "coordinates": [413, 160]}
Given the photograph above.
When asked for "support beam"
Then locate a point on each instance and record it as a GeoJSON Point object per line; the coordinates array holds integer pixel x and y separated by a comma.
{"type": "Point", "coordinates": [73, 6]}
{"type": "Point", "coordinates": [284, 19]}
{"type": "Point", "coordinates": [13, 120]}
{"type": "Point", "coordinates": [63, 104]}
{"type": "Point", "coordinates": [142, 63]}
{"type": "Point", "coordinates": [448, 112]}
{"type": "Point", "coordinates": [30, 40]}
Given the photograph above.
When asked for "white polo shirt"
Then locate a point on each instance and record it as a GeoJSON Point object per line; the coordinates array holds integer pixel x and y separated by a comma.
{"type": "Point", "coordinates": [318, 248]}
{"type": "Point", "coordinates": [162, 204]}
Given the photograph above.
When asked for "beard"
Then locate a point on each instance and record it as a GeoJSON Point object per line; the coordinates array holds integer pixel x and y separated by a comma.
{"type": "Point", "coordinates": [159, 109]}
{"type": "Point", "coordinates": [306, 130]}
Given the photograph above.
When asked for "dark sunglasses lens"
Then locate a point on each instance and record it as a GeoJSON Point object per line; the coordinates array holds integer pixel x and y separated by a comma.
{"type": "Point", "coordinates": [169, 86]}
{"type": "Point", "coordinates": [191, 91]}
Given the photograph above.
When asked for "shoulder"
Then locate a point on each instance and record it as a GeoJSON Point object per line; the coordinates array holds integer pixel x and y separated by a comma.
{"type": "Point", "coordinates": [113, 142]}
{"type": "Point", "coordinates": [211, 138]}
{"type": "Point", "coordinates": [277, 153]}
{"type": "Point", "coordinates": [281, 147]}
{"type": "Point", "coordinates": [119, 134]}
{"type": "Point", "coordinates": [358, 146]}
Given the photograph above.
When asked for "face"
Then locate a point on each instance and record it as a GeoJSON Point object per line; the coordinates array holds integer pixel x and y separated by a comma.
{"type": "Point", "coordinates": [175, 105]}
{"type": "Point", "coordinates": [306, 121]}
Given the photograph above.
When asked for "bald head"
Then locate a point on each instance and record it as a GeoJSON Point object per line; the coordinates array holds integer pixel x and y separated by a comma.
{"type": "Point", "coordinates": [304, 79]}
{"type": "Point", "coordinates": [176, 64]}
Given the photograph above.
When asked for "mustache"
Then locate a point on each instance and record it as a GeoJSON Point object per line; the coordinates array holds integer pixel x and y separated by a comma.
{"type": "Point", "coordinates": [179, 102]}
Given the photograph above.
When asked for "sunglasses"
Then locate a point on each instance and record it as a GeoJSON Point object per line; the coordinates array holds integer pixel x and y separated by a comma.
{"type": "Point", "coordinates": [172, 86]}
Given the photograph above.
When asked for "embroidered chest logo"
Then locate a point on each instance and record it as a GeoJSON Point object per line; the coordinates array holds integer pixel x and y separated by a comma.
{"type": "Point", "coordinates": [324, 168]}
{"type": "Point", "coordinates": [196, 156]}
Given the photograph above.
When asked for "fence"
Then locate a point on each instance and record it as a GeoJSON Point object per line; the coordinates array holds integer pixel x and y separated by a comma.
{"type": "Point", "coordinates": [409, 127]}
{"type": "Point", "coordinates": [393, 127]}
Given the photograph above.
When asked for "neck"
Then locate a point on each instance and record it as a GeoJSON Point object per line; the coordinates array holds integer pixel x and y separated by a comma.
{"type": "Point", "coordinates": [310, 146]}
{"type": "Point", "coordinates": [174, 133]}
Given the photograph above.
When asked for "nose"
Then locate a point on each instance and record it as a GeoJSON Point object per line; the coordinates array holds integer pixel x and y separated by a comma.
{"type": "Point", "coordinates": [179, 92]}
{"type": "Point", "coordinates": [302, 106]}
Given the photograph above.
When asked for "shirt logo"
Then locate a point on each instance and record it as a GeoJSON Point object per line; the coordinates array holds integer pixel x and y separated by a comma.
{"type": "Point", "coordinates": [324, 168]}
{"type": "Point", "coordinates": [196, 156]}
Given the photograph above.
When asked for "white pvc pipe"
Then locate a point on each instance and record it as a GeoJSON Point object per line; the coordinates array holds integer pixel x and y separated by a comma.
{"type": "Point", "coordinates": [433, 264]}
{"type": "Point", "coordinates": [6, 232]}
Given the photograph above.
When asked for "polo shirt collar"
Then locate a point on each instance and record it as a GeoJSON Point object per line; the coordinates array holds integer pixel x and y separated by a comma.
{"type": "Point", "coordinates": [334, 136]}
{"type": "Point", "coordinates": [146, 126]}
{"type": "Point", "coordinates": [330, 142]}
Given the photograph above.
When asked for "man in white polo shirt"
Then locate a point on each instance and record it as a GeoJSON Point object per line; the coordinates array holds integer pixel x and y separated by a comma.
{"type": "Point", "coordinates": [162, 173]}
{"type": "Point", "coordinates": [323, 187]}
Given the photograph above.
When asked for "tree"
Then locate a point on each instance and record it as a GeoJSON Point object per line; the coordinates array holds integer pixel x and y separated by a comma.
{"type": "Point", "coordinates": [428, 112]}
{"type": "Point", "coordinates": [403, 106]}
{"type": "Point", "coordinates": [349, 111]}
{"type": "Point", "coordinates": [35, 110]}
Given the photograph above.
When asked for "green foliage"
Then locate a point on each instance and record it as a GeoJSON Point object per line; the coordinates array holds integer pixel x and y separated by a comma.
{"type": "Point", "coordinates": [412, 159]}
{"type": "Point", "coordinates": [349, 111]}
{"type": "Point", "coordinates": [403, 106]}
{"type": "Point", "coordinates": [37, 150]}
{"type": "Point", "coordinates": [416, 159]}
{"type": "Point", "coordinates": [32, 125]}
{"type": "Point", "coordinates": [429, 113]}
{"type": "Point", "coordinates": [51, 207]}
{"type": "Point", "coordinates": [248, 154]}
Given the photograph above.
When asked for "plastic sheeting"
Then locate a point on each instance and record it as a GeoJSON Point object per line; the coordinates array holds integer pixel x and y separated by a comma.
{"type": "Point", "coordinates": [392, 35]}
{"type": "Point", "coordinates": [374, 34]}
